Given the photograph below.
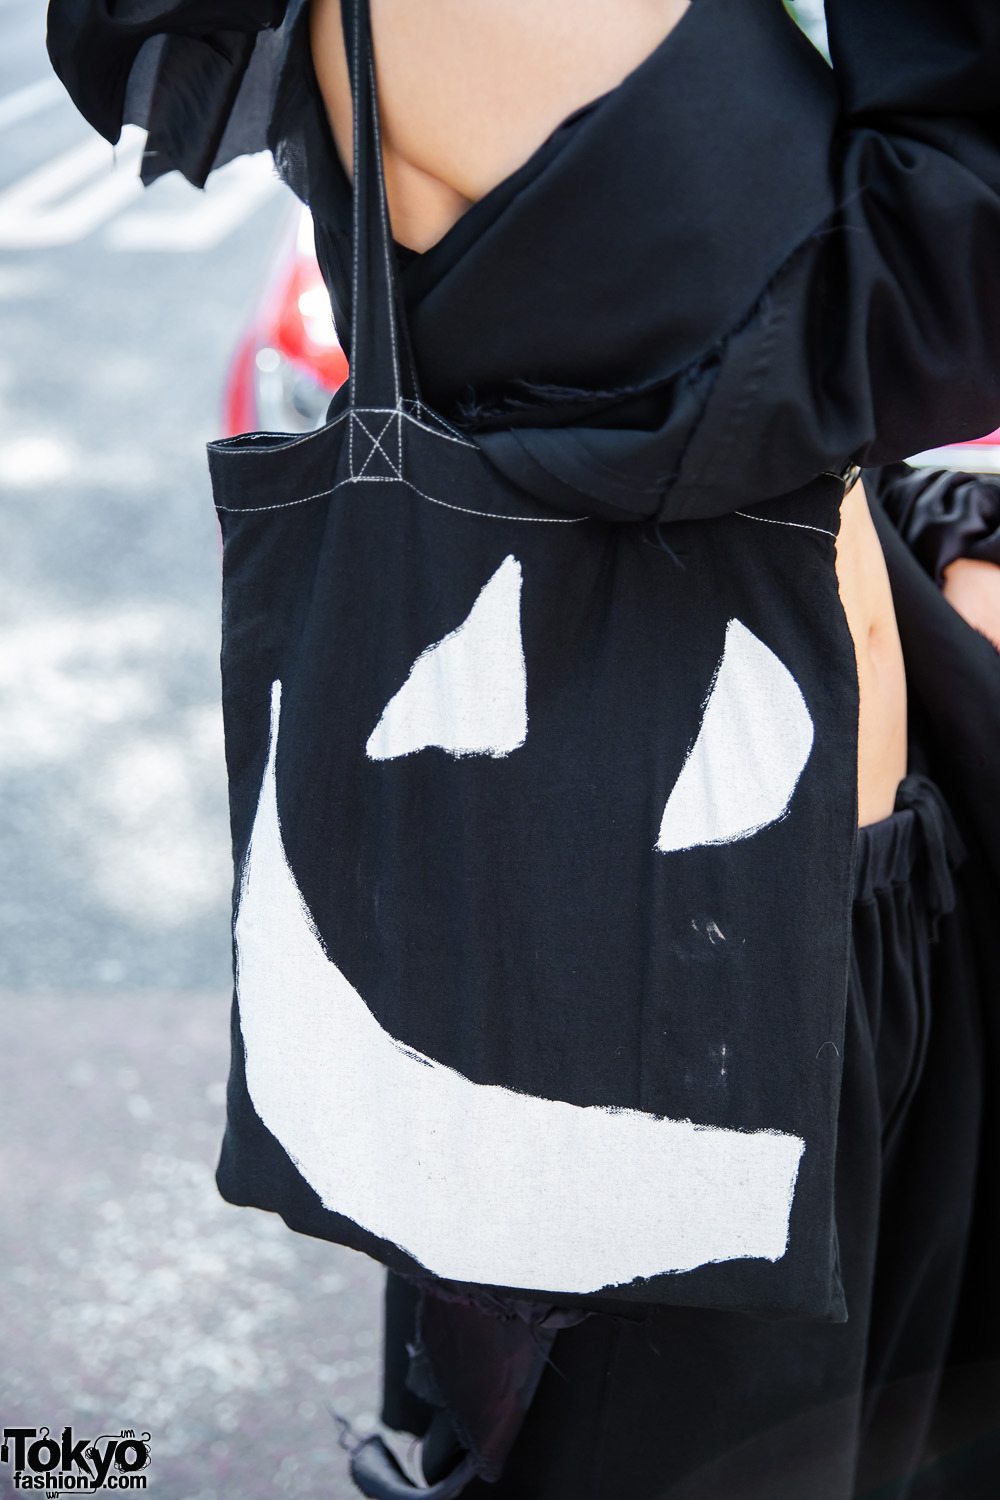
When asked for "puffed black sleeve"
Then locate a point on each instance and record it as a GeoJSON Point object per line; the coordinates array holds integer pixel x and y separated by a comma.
{"type": "Point", "coordinates": [880, 334]}
{"type": "Point", "coordinates": [941, 514]}
{"type": "Point", "coordinates": [920, 85]}
{"type": "Point", "coordinates": [198, 74]}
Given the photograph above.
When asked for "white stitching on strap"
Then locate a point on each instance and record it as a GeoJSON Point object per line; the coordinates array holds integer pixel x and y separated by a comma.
{"type": "Point", "coordinates": [376, 442]}
{"type": "Point", "coordinates": [355, 217]}
{"type": "Point", "coordinates": [383, 220]}
{"type": "Point", "coordinates": [449, 434]}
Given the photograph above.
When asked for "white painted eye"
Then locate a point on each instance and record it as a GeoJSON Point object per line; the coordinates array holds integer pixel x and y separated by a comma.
{"type": "Point", "coordinates": [755, 738]}
{"type": "Point", "coordinates": [468, 693]}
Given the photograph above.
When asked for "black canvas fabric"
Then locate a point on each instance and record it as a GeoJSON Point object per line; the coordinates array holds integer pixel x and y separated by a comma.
{"type": "Point", "coordinates": [506, 915]}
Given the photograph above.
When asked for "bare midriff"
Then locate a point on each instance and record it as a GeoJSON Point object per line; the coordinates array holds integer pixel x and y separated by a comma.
{"type": "Point", "coordinates": [867, 601]}
{"type": "Point", "coordinates": [468, 90]}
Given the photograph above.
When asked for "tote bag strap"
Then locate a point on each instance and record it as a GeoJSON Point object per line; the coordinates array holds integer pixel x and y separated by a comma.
{"type": "Point", "coordinates": [382, 373]}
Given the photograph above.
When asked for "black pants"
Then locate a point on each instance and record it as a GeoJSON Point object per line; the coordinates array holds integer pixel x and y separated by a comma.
{"type": "Point", "coordinates": [699, 1405]}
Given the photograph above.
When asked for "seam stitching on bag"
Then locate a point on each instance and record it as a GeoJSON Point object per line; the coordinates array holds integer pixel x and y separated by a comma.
{"type": "Point", "coordinates": [376, 445]}
{"type": "Point", "coordinates": [465, 510]}
{"type": "Point", "coordinates": [238, 445]}
{"type": "Point", "coordinates": [798, 525]}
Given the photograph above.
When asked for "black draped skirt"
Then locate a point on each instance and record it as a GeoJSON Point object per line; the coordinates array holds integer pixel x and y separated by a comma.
{"type": "Point", "coordinates": [687, 1404]}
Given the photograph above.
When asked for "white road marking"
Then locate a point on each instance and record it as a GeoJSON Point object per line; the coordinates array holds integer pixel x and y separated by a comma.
{"type": "Point", "coordinates": [202, 219]}
{"type": "Point", "coordinates": [31, 100]}
{"type": "Point", "coordinates": [70, 196]}
{"type": "Point", "coordinates": [84, 187]}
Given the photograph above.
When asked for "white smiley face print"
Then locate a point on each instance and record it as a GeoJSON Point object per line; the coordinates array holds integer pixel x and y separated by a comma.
{"type": "Point", "coordinates": [476, 1181]}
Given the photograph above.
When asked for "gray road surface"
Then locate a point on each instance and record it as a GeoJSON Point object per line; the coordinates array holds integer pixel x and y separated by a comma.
{"type": "Point", "coordinates": [130, 1295]}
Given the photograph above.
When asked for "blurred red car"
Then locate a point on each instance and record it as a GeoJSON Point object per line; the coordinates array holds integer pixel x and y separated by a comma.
{"type": "Point", "coordinates": [289, 362]}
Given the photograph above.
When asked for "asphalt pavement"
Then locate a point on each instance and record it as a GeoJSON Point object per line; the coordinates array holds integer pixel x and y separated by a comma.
{"type": "Point", "coordinates": [131, 1296]}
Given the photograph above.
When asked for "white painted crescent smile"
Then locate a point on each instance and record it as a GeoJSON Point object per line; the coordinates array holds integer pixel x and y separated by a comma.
{"type": "Point", "coordinates": [476, 1182]}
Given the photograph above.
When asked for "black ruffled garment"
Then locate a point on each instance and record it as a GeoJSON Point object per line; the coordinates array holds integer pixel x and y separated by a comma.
{"type": "Point", "coordinates": [791, 302]}
{"type": "Point", "coordinates": [942, 514]}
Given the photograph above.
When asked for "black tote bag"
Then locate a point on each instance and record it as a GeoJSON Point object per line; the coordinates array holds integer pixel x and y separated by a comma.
{"type": "Point", "coordinates": [543, 831]}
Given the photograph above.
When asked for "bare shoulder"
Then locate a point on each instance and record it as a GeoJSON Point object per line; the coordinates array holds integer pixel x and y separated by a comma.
{"type": "Point", "coordinates": [470, 88]}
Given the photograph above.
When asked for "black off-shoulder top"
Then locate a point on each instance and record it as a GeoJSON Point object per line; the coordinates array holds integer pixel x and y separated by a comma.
{"type": "Point", "coordinates": [739, 271]}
